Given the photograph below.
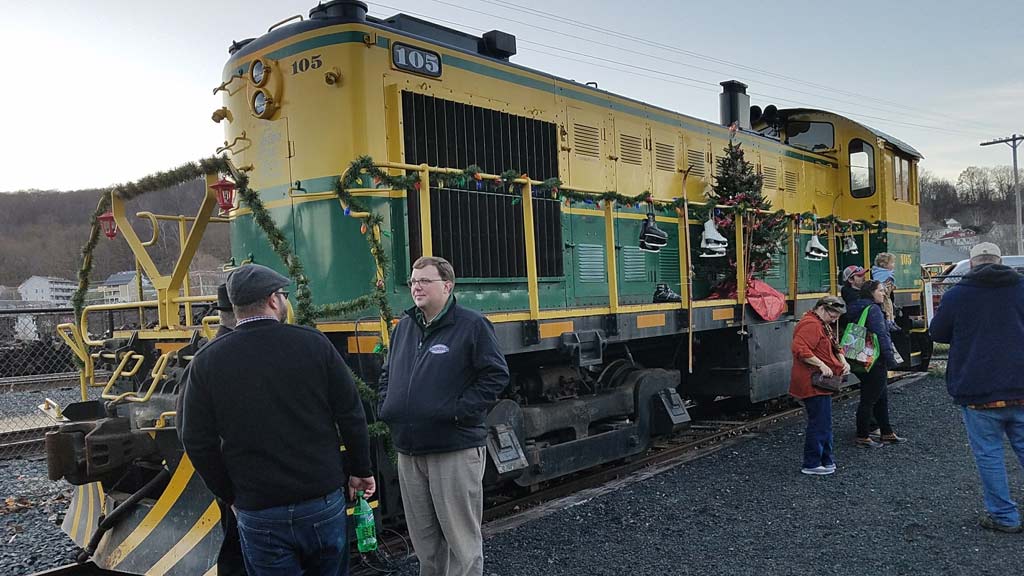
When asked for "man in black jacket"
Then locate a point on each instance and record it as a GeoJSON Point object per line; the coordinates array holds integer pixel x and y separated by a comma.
{"type": "Point", "coordinates": [266, 409]}
{"type": "Point", "coordinates": [443, 374]}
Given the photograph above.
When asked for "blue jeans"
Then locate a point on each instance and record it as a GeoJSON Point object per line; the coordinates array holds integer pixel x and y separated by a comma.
{"type": "Point", "coordinates": [985, 431]}
{"type": "Point", "coordinates": [305, 538]}
{"type": "Point", "coordinates": [818, 439]}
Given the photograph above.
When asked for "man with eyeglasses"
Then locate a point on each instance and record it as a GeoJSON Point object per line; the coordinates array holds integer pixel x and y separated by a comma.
{"type": "Point", "coordinates": [443, 374]}
{"type": "Point", "coordinates": [266, 410]}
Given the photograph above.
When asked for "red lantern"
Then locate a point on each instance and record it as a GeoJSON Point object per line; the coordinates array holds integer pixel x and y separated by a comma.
{"type": "Point", "coordinates": [225, 194]}
{"type": "Point", "coordinates": [108, 224]}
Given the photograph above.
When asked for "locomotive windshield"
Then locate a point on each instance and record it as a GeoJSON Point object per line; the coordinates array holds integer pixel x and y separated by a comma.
{"type": "Point", "coordinates": [813, 136]}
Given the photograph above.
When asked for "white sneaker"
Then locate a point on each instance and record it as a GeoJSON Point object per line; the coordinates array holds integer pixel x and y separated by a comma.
{"type": "Point", "coordinates": [831, 467]}
{"type": "Point", "coordinates": [819, 471]}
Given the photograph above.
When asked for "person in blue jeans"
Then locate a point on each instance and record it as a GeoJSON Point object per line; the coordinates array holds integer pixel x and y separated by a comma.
{"type": "Point", "coordinates": [982, 320]}
{"type": "Point", "coordinates": [265, 412]}
{"type": "Point", "coordinates": [815, 351]}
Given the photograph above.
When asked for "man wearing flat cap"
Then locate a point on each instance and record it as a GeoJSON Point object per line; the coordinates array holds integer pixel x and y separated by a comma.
{"type": "Point", "coordinates": [982, 320]}
{"type": "Point", "coordinates": [266, 410]}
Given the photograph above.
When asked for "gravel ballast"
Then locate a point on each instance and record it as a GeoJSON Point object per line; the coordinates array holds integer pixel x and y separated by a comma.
{"type": "Point", "coordinates": [31, 512]}
{"type": "Point", "coordinates": [905, 509]}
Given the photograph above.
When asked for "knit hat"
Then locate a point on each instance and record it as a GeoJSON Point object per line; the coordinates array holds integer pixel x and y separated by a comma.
{"type": "Point", "coordinates": [251, 282]}
{"type": "Point", "coordinates": [986, 249]}
{"type": "Point", "coordinates": [851, 271]}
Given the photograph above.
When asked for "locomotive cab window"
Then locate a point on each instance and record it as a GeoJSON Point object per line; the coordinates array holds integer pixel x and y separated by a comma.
{"type": "Point", "coordinates": [901, 179]}
{"type": "Point", "coordinates": [862, 169]}
{"type": "Point", "coordinates": [813, 136]}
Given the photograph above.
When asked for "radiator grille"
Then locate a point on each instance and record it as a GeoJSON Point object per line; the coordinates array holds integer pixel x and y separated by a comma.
{"type": "Point", "coordinates": [634, 264]}
{"type": "Point", "coordinates": [454, 135]}
{"type": "Point", "coordinates": [631, 149]}
{"type": "Point", "coordinates": [587, 141]}
{"type": "Point", "coordinates": [791, 182]}
{"type": "Point", "coordinates": [695, 159]}
{"type": "Point", "coordinates": [481, 232]}
{"type": "Point", "coordinates": [668, 265]}
{"type": "Point", "coordinates": [665, 157]}
{"type": "Point", "coordinates": [771, 178]}
{"type": "Point", "coordinates": [590, 263]}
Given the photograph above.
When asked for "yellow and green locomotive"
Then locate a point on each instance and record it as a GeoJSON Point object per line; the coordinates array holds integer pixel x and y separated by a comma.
{"type": "Point", "coordinates": [543, 193]}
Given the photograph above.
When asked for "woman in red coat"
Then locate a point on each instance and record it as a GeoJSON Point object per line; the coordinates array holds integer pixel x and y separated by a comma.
{"type": "Point", "coordinates": [815, 350]}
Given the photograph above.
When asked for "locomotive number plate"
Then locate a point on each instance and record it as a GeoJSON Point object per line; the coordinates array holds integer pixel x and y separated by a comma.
{"type": "Point", "coordinates": [416, 60]}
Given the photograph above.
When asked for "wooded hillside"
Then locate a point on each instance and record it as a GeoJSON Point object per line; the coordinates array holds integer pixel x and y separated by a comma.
{"type": "Point", "coordinates": [41, 233]}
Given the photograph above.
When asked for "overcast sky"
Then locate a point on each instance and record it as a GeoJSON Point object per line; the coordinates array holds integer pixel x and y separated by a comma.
{"type": "Point", "coordinates": [106, 91]}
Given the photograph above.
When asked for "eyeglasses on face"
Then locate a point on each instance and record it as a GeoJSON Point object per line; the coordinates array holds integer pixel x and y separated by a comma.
{"type": "Point", "coordinates": [284, 293]}
{"type": "Point", "coordinates": [422, 281]}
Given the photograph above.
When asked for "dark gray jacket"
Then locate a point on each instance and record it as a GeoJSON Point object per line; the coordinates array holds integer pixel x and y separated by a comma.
{"type": "Point", "coordinates": [438, 385]}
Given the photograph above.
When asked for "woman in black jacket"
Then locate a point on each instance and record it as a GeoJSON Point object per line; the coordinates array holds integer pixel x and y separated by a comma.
{"type": "Point", "coordinates": [874, 400]}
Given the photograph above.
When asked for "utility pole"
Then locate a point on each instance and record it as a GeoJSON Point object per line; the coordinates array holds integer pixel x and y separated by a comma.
{"type": "Point", "coordinates": [1013, 142]}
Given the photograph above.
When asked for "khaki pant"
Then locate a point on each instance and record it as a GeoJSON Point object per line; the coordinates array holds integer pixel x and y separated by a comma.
{"type": "Point", "coordinates": [443, 499]}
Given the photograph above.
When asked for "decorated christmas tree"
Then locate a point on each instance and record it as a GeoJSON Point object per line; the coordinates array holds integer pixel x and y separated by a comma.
{"type": "Point", "coordinates": [738, 186]}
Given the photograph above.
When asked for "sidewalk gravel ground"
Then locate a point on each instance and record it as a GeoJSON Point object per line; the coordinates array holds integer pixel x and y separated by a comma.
{"type": "Point", "coordinates": [908, 509]}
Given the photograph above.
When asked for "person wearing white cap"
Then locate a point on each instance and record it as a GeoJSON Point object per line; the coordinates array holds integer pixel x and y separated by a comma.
{"type": "Point", "coordinates": [982, 320]}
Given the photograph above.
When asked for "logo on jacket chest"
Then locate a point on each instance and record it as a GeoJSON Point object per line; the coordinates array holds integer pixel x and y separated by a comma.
{"type": "Point", "coordinates": [438, 349]}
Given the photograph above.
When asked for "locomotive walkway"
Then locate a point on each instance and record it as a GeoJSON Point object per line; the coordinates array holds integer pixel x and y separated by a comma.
{"type": "Point", "coordinates": [903, 510]}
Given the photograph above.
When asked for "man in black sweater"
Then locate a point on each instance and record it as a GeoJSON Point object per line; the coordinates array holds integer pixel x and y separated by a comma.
{"type": "Point", "coordinates": [266, 409]}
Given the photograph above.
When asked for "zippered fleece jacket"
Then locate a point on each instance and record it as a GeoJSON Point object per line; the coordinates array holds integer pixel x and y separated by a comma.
{"type": "Point", "coordinates": [439, 382]}
{"type": "Point", "coordinates": [982, 320]}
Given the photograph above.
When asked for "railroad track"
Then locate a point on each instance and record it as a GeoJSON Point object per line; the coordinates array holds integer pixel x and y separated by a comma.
{"type": "Point", "coordinates": [42, 382]}
{"type": "Point", "coordinates": [703, 437]}
{"type": "Point", "coordinates": [26, 441]}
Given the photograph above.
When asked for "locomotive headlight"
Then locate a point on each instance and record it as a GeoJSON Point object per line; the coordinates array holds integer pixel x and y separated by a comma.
{"type": "Point", "coordinates": [259, 72]}
{"type": "Point", "coordinates": [262, 104]}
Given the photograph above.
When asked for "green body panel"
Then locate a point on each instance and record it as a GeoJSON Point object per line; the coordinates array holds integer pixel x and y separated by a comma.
{"type": "Point", "coordinates": [849, 259]}
{"type": "Point", "coordinates": [907, 249]}
{"type": "Point", "coordinates": [587, 260]}
{"type": "Point", "coordinates": [812, 276]}
{"type": "Point", "coordinates": [778, 275]}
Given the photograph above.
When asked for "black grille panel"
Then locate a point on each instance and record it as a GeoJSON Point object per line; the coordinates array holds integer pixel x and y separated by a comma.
{"type": "Point", "coordinates": [455, 135]}
{"type": "Point", "coordinates": [481, 232]}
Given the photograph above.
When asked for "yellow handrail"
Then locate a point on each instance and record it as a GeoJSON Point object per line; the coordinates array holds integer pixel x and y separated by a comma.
{"type": "Point", "coordinates": [160, 424]}
{"type": "Point", "coordinates": [119, 371]}
{"type": "Point", "coordinates": [156, 374]}
{"type": "Point", "coordinates": [72, 336]}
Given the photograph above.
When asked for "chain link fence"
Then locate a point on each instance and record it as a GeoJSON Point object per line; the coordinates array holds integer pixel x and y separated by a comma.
{"type": "Point", "coordinates": [36, 366]}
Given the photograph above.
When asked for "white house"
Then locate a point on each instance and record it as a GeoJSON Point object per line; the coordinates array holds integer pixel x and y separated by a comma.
{"type": "Point", "coordinates": [57, 291]}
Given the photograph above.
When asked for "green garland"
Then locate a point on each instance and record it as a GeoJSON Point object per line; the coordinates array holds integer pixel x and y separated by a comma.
{"type": "Point", "coordinates": [304, 313]}
{"type": "Point", "coordinates": [158, 181]}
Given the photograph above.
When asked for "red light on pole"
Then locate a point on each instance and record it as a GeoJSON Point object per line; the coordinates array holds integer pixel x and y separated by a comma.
{"type": "Point", "coordinates": [225, 194]}
{"type": "Point", "coordinates": [108, 224]}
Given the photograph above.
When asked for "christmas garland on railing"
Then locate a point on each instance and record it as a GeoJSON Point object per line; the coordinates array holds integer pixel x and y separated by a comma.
{"type": "Point", "coordinates": [158, 181]}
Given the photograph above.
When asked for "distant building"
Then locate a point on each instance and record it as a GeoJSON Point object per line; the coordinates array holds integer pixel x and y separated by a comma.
{"type": "Point", "coordinates": [57, 291]}
{"type": "Point", "coordinates": [122, 287]}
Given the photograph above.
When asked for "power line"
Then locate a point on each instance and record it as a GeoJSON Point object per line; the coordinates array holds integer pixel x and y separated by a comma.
{"type": "Point", "coordinates": [700, 56]}
{"type": "Point", "coordinates": [630, 66]}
